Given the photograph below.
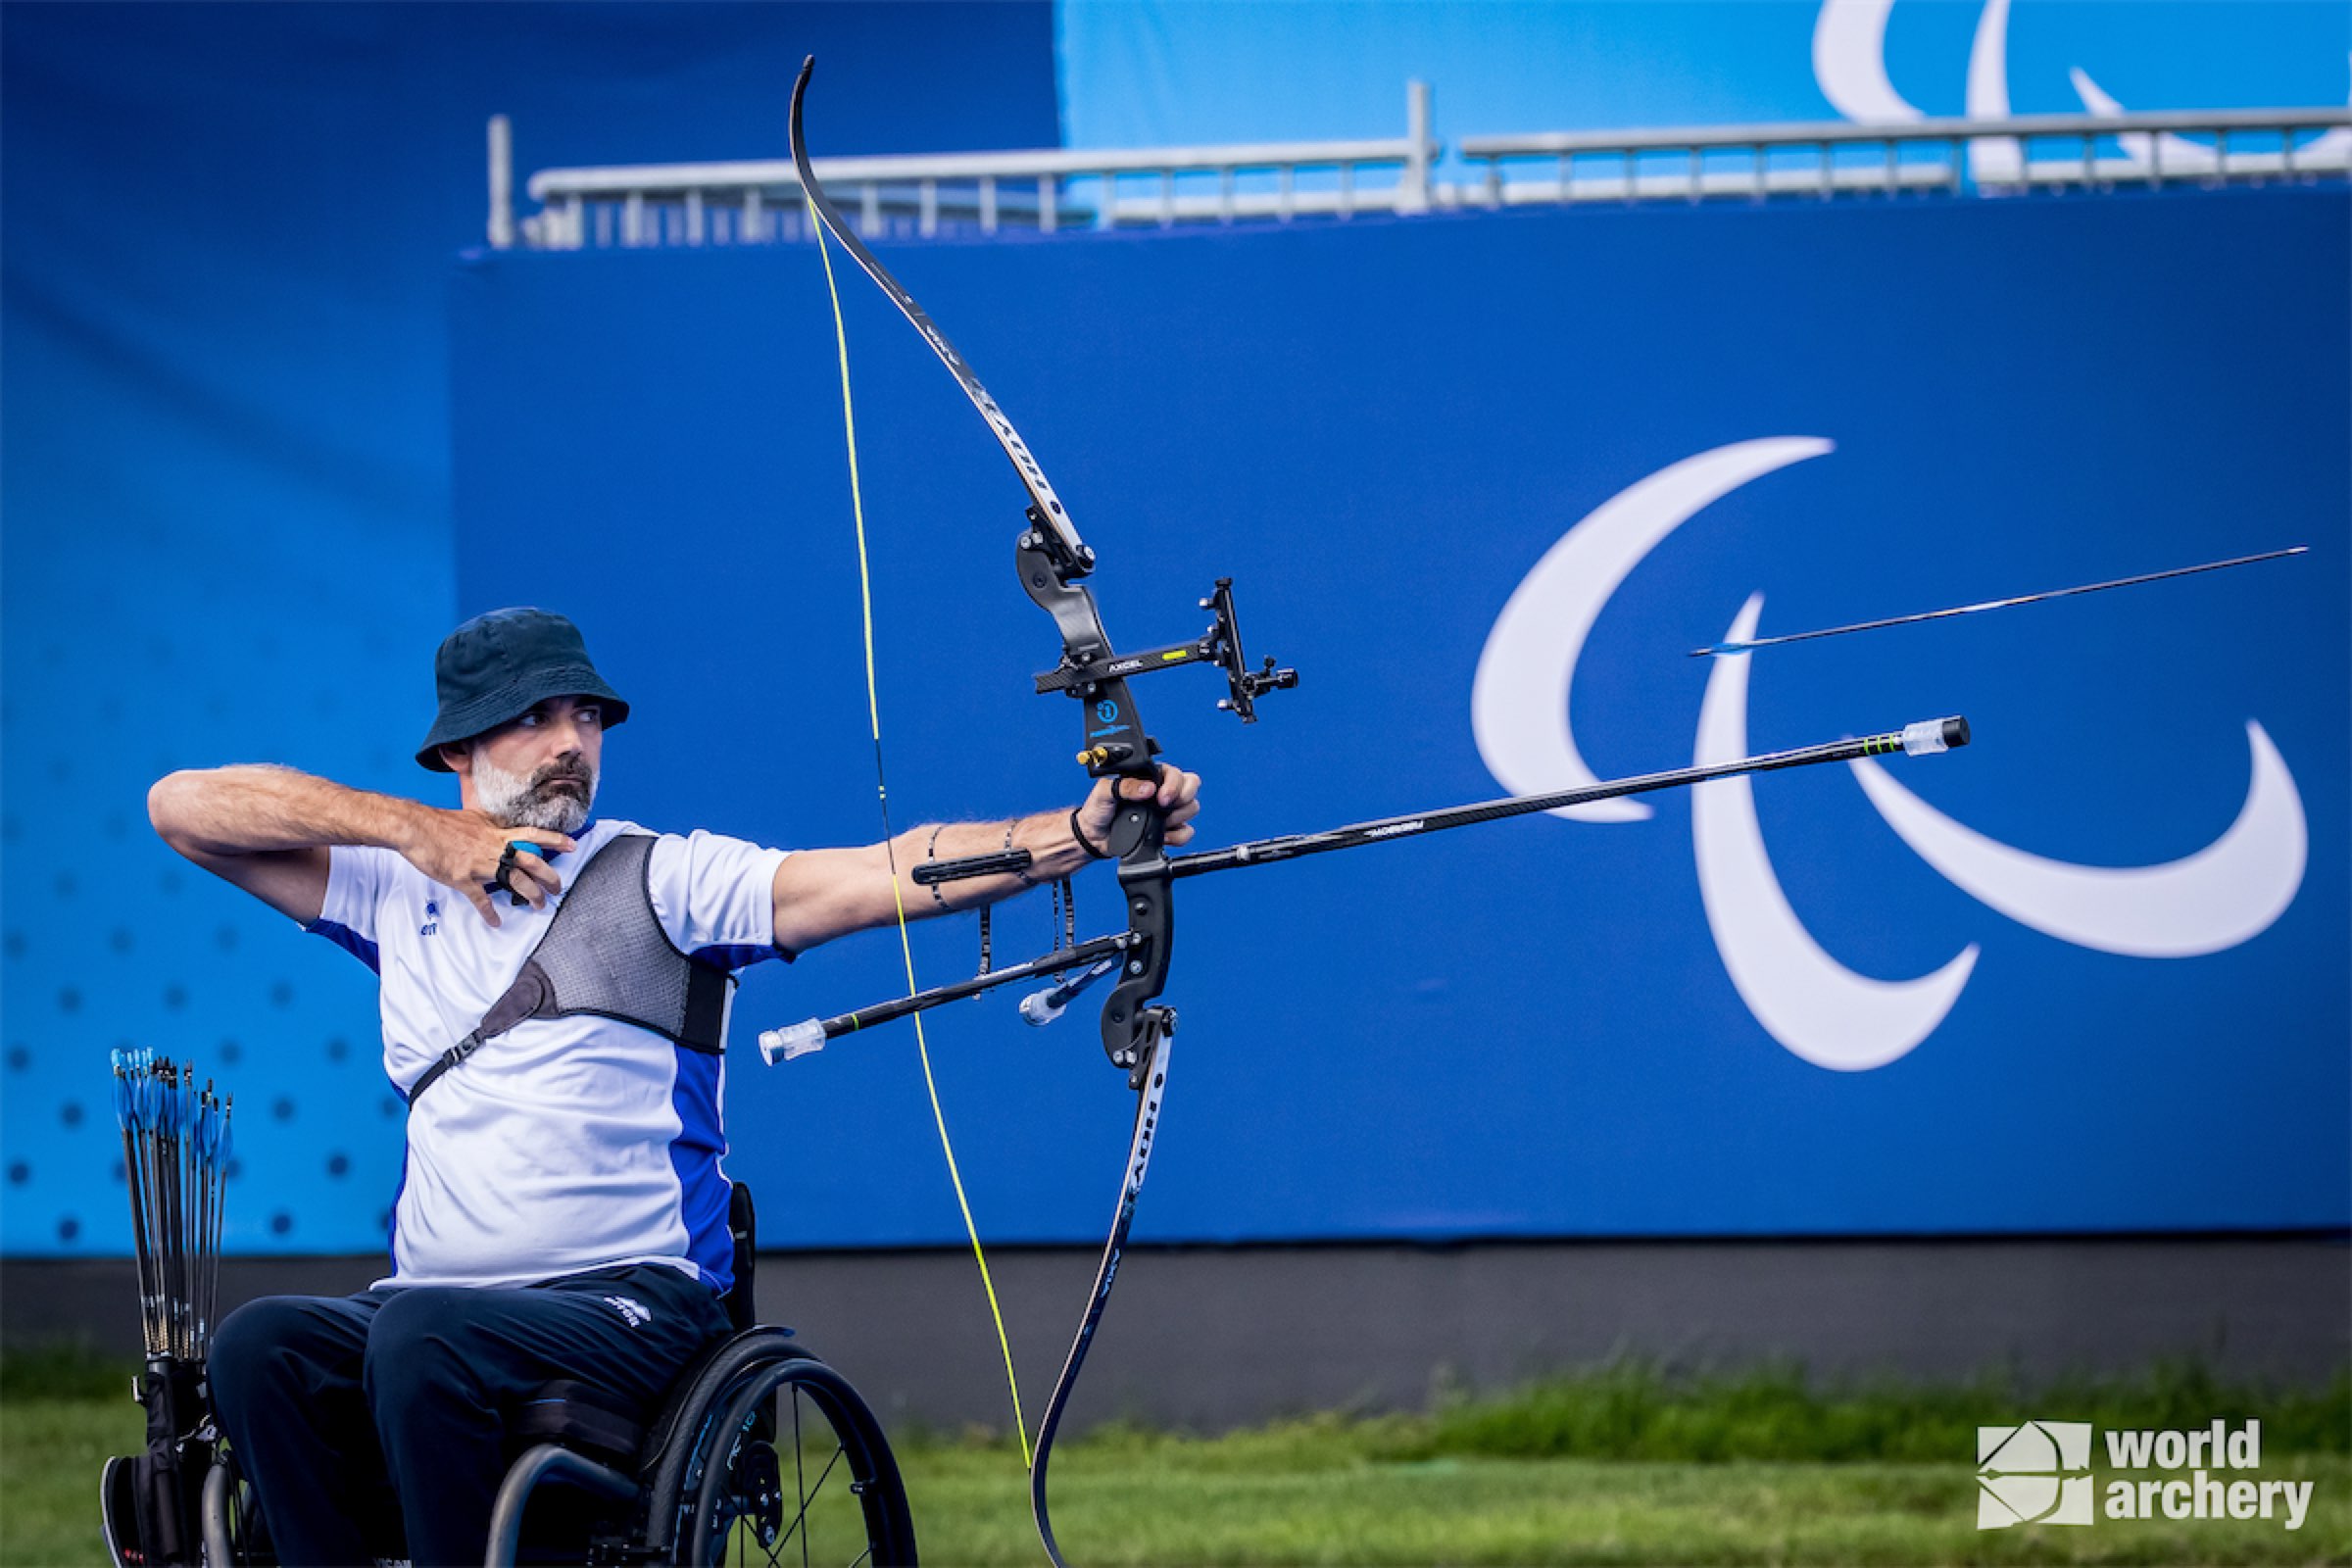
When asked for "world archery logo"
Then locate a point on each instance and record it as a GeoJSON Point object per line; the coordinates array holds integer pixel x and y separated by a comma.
{"type": "Point", "coordinates": [2223, 895]}
{"type": "Point", "coordinates": [2033, 1473]}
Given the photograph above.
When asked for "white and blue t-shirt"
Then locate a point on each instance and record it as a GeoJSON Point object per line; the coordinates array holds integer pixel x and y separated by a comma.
{"type": "Point", "coordinates": [564, 1143]}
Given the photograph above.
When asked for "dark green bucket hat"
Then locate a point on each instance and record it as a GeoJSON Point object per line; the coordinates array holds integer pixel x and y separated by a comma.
{"type": "Point", "coordinates": [499, 667]}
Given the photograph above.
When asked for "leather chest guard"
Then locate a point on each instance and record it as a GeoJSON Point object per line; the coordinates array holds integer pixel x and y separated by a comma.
{"type": "Point", "coordinates": [604, 952]}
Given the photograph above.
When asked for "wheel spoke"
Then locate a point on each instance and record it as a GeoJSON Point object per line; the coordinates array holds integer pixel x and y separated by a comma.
{"type": "Point", "coordinates": [807, 1498]}
{"type": "Point", "coordinates": [800, 1470]}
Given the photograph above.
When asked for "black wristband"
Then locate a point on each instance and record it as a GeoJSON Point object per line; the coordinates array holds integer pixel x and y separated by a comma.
{"type": "Point", "coordinates": [1084, 842]}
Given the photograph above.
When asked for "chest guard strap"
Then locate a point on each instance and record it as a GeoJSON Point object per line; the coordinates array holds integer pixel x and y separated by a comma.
{"type": "Point", "coordinates": [605, 954]}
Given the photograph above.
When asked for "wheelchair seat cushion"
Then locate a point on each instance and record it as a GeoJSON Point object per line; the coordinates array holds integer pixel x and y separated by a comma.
{"type": "Point", "coordinates": [594, 1420]}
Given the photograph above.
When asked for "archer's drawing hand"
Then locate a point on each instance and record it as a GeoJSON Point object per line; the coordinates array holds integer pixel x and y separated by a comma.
{"type": "Point", "coordinates": [1178, 794]}
{"type": "Point", "coordinates": [460, 850]}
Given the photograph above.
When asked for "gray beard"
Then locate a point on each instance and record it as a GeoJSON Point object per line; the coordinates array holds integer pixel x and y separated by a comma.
{"type": "Point", "coordinates": [513, 801]}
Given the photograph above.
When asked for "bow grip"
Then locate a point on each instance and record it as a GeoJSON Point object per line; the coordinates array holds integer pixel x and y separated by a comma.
{"type": "Point", "coordinates": [1138, 830]}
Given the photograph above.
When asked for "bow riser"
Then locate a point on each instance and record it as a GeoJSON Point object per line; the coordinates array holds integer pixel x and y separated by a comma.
{"type": "Point", "coordinates": [1114, 745]}
{"type": "Point", "coordinates": [1132, 1028]}
{"type": "Point", "coordinates": [1114, 741]}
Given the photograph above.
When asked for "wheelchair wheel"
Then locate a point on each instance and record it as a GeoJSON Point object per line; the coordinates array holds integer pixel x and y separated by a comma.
{"type": "Point", "coordinates": [788, 1464]}
{"type": "Point", "coordinates": [234, 1535]}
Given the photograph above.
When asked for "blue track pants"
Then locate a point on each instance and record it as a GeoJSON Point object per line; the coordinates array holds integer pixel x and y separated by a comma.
{"type": "Point", "coordinates": [353, 1415]}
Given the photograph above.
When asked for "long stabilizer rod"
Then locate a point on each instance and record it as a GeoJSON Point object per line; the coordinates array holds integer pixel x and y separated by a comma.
{"type": "Point", "coordinates": [1991, 604]}
{"type": "Point", "coordinates": [1922, 739]}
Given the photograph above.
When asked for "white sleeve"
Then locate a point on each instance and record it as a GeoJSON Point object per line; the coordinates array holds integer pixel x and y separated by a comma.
{"type": "Point", "coordinates": [715, 896]}
{"type": "Point", "coordinates": [358, 880]}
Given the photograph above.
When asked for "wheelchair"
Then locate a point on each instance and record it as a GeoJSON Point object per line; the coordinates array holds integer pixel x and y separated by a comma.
{"type": "Point", "coordinates": [761, 1453]}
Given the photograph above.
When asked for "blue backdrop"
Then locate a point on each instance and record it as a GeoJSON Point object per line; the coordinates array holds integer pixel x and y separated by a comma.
{"type": "Point", "coordinates": [229, 477]}
{"type": "Point", "coordinates": [226, 486]}
{"type": "Point", "coordinates": [1379, 430]}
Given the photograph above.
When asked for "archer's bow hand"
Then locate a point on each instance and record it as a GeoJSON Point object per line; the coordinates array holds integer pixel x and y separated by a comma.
{"type": "Point", "coordinates": [1179, 795]}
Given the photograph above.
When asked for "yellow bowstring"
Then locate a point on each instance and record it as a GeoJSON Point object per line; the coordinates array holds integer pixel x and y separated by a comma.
{"type": "Point", "coordinates": [873, 705]}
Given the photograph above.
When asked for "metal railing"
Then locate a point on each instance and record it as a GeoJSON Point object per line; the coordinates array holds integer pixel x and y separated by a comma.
{"type": "Point", "coordinates": [715, 203]}
{"type": "Point", "coordinates": [928, 194]}
{"type": "Point", "coordinates": [1994, 155]}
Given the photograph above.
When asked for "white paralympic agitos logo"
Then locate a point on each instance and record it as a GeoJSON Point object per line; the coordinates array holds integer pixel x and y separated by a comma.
{"type": "Point", "coordinates": [2225, 894]}
{"type": "Point", "coordinates": [1849, 62]}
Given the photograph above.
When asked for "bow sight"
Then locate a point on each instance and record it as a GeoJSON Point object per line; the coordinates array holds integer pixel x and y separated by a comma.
{"type": "Point", "coordinates": [1052, 563]}
{"type": "Point", "coordinates": [1220, 645]}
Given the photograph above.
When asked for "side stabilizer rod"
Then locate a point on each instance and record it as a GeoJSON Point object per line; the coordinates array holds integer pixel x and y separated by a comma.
{"type": "Point", "coordinates": [810, 1034]}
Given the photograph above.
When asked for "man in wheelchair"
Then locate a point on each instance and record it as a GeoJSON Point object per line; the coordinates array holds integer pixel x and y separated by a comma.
{"type": "Point", "coordinates": [562, 1211]}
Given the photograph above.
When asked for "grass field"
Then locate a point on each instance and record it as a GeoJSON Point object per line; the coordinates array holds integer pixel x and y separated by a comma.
{"type": "Point", "coordinates": [1616, 1467]}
